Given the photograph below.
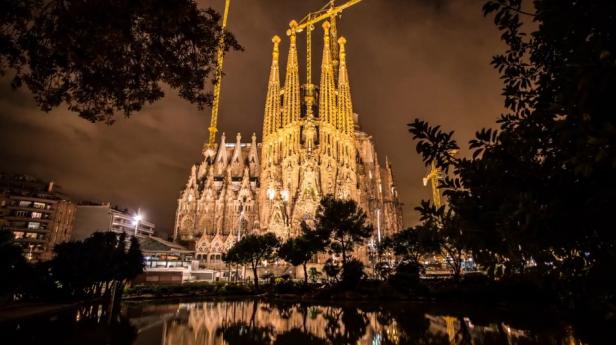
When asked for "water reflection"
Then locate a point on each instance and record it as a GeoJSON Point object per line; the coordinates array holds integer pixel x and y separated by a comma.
{"type": "Point", "coordinates": [91, 325]}
{"type": "Point", "coordinates": [253, 322]}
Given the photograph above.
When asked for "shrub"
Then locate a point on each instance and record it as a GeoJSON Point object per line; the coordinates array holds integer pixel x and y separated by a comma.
{"type": "Point", "coordinates": [407, 275]}
{"type": "Point", "coordinates": [352, 273]}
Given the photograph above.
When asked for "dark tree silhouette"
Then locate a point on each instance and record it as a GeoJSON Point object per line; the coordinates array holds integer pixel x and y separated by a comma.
{"type": "Point", "coordinates": [13, 266]}
{"type": "Point", "coordinates": [241, 333]}
{"type": "Point", "coordinates": [92, 267]}
{"type": "Point", "coordinates": [299, 250]}
{"type": "Point", "coordinates": [252, 249]}
{"type": "Point", "coordinates": [540, 188]}
{"type": "Point", "coordinates": [341, 224]}
{"type": "Point", "coordinates": [103, 57]}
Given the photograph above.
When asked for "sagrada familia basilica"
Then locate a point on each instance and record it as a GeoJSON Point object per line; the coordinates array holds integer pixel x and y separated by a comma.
{"type": "Point", "coordinates": [312, 146]}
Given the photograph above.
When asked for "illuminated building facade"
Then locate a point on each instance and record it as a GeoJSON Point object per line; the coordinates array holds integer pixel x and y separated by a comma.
{"type": "Point", "coordinates": [37, 213]}
{"type": "Point", "coordinates": [311, 146]}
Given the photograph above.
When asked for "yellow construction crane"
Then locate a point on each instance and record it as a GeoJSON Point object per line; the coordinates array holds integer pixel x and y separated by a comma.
{"type": "Point", "coordinates": [434, 176]}
{"type": "Point", "coordinates": [329, 11]}
{"type": "Point", "coordinates": [220, 53]}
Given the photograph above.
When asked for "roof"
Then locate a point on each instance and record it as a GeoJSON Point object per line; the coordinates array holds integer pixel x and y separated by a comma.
{"type": "Point", "coordinates": [156, 244]}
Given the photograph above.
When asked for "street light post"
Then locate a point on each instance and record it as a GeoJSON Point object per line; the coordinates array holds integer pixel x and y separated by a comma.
{"type": "Point", "coordinates": [137, 219]}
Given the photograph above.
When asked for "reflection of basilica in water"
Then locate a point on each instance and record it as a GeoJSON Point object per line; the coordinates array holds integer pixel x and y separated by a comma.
{"type": "Point", "coordinates": [253, 322]}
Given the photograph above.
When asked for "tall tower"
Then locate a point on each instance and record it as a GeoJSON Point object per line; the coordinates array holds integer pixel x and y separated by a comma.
{"type": "Point", "coordinates": [312, 146]}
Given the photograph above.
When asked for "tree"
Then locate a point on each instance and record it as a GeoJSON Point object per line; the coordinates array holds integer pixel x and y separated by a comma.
{"type": "Point", "coordinates": [134, 260]}
{"type": "Point", "coordinates": [89, 268]}
{"type": "Point", "coordinates": [341, 224]}
{"type": "Point", "coordinates": [102, 57]}
{"type": "Point", "coordinates": [410, 244]}
{"type": "Point", "coordinates": [539, 190]}
{"type": "Point", "coordinates": [352, 273]}
{"type": "Point", "coordinates": [299, 250]}
{"type": "Point", "coordinates": [253, 249]}
{"type": "Point", "coordinates": [13, 265]}
{"type": "Point", "coordinates": [331, 269]}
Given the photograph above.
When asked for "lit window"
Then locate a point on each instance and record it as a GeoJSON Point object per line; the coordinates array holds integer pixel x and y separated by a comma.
{"type": "Point", "coordinates": [25, 203]}
{"type": "Point", "coordinates": [34, 225]}
{"type": "Point", "coordinates": [33, 235]}
{"type": "Point", "coordinates": [18, 234]}
{"type": "Point", "coordinates": [37, 215]}
{"type": "Point", "coordinates": [39, 205]}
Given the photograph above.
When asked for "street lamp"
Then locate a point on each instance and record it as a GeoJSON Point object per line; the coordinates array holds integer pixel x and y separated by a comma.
{"type": "Point", "coordinates": [136, 219]}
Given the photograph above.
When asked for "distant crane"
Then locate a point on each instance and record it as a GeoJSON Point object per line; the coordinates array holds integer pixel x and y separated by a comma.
{"type": "Point", "coordinates": [213, 129]}
{"type": "Point", "coordinates": [434, 176]}
{"type": "Point", "coordinates": [328, 11]}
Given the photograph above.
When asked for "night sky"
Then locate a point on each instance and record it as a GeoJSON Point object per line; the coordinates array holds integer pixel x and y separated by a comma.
{"type": "Point", "coordinates": [407, 58]}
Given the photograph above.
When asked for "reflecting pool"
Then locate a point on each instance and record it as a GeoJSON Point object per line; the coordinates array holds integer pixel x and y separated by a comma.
{"type": "Point", "coordinates": [265, 322]}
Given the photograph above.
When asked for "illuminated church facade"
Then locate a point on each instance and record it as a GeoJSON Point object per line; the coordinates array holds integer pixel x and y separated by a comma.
{"type": "Point", "coordinates": [311, 146]}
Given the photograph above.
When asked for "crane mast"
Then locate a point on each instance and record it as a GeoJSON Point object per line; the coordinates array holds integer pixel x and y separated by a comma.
{"type": "Point", "coordinates": [213, 129]}
{"type": "Point", "coordinates": [328, 12]}
{"type": "Point", "coordinates": [434, 175]}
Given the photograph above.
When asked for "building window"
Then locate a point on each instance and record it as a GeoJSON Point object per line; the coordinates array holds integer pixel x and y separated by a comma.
{"type": "Point", "coordinates": [25, 203]}
{"type": "Point", "coordinates": [20, 213]}
{"type": "Point", "coordinates": [33, 235]}
{"type": "Point", "coordinates": [18, 234]}
{"type": "Point", "coordinates": [39, 205]}
{"type": "Point", "coordinates": [34, 225]}
{"type": "Point", "coordinates": [37, 215]}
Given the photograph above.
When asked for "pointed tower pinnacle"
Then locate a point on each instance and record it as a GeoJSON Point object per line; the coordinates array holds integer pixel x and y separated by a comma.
{"type": "Point", "coordinates": [221, 157]}
{"type": "Point", "coordinates": [345, 106]}
{"type": "Point", "coordinates": [237, 161]}
{"type": "Point", "coordinates": [271, 118]}
{"type": "Point", "coordinates": [327, 95]}
{"type": "Point", "coordinates": [291, 106]}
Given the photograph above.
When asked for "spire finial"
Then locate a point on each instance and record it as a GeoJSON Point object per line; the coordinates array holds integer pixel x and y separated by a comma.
{"type": "Point", "coordinates": [275, 51]}
{"type": "Point", "coordinates": [341, 42]}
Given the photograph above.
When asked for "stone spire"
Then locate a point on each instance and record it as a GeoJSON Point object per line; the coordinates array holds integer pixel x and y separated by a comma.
{"type": "Point", "coordinates": [345, 106]}
{"type": "Point", "coordinates": [221, 157]}
{"type": "Point", "coordinates": [237, 161]}
{"type": "Point", "coordinates": [327, 95]}
{"type": "Point", "coordinates": [271, 118]}
{"type": "Point", "coordinates": [291, 106]}
{"type": "Point", "coordinates": [253, 157]}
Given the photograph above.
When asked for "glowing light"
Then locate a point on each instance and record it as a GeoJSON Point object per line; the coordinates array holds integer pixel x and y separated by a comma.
{"type": "Point", "coordinates": [271, 193]}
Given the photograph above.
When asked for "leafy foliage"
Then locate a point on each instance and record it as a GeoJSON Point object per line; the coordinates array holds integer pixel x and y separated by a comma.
{"type": "Point", "coordinates": [299, 250]}
{"type": "Point", "coordinates": [13, 266]}
{"type": "Point", "coordinates": [539, 190]}
{"type": "Point", "coordinates": [90, 268]}
{"type": "Point", "coordinates": [102, 57]}
{"type": "Point", "coordinates": [341, 224]}
{"type": "Point", "coordinates": [253, 249]}
{"type": "Point", "coordinates": [352, 273]}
